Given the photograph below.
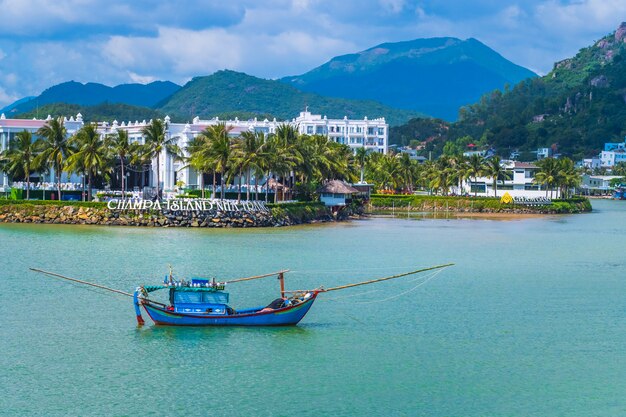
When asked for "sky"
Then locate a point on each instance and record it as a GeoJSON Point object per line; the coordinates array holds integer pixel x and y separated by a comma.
{"type": "Point", "coordinates": [43, 43]}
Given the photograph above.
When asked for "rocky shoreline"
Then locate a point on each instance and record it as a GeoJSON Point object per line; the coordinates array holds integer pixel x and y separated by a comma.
{"type": "Point", "coordinates": [73, 214]}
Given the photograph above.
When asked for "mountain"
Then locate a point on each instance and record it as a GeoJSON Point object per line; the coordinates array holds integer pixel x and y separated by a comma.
{"type": "Point", "coordinates": [72, 92]}
{"type": "Point", "coordinates": [10, 108]}
{"type": "Point", "coordinates": [230, 92]}
{"type": "Point", "coordinates": [575, 108]}
{"type": "Point", "coordinates": [435, 76]}
{"type": "Point", "coordinates": [104, 112]}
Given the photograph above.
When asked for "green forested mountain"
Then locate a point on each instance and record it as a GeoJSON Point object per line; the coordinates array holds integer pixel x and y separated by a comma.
{"type": "Point", "coordinates": [101, 112]}
{"type": "Point", "coordinates": [230, 92]}
{"type": "Point", "coordinates": [90, 94]}
{"type": "Point", "coordinates": [435, 76]}
{"type": "Point", "coordinates": [577, 107]}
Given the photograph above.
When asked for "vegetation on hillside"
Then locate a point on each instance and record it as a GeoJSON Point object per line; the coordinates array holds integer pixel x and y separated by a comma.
{"type": "Point", "coordinates": [105, 112]}
{"type": "Point", "coordinates": [577, 107]}
{"type": "Point", "coordinates": [230, 92]}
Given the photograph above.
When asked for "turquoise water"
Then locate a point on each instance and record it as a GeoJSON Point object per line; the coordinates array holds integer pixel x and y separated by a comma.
{"type": "Point", "coordinates": [530, 321]}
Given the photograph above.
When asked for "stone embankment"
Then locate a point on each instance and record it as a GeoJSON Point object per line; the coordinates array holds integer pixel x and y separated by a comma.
{"type": "Point", "coordinates": [99, 214]}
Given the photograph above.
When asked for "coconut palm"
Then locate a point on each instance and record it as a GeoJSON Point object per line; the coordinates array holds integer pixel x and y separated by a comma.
{"type": "Point", "coordinates": [92, 155]}
{"type": "Point", "coordinates": [361, 154]}
{"type": "Point", "coordinates": [54, 148]}
{"type": "Point", "coordinates": [20, 157]}
{"type": "Point", "coordinates": [250, 148]}
{"type": "Point", "coordinates": [197, 159]}
{"type": "Point", "coordinates": [475, 169]}
{"type": "Point", "coordinates": [218, 150]}
{"type": "Point", "coordinates": [548, 174]}
{"type": "Point", "coordinates": [495, 170]}
{"type": "Point", "coordinates": [155, 143]}
{"type": "Point", "coordinates": [123, 149]}
{"type": "Point", "coordinates": [406, 171]}
{"type": "Point", "coordinates": [568, 177]}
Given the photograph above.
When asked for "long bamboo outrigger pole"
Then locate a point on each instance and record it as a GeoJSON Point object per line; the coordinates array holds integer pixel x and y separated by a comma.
{"type": "Point", "coordinates": [80, 281]}
{"type": "Point", "coordinates": [356, 284]}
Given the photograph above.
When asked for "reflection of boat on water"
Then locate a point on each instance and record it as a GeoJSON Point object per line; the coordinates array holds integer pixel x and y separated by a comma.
{"type": "Point", "coordinates": [203, 302]}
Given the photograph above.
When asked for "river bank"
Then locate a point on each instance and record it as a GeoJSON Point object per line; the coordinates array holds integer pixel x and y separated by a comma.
{"type": "Point", "coordinates": [385, 204]}
{"type": "Point", "coordinates": [55, 212]}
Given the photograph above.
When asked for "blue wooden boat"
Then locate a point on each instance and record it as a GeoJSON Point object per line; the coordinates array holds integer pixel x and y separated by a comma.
{"type": "Point", "coordinates": [203, 302]}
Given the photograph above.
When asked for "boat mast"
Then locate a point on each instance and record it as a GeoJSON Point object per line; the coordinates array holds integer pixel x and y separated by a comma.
{"type": "Point", "coordinates": [256, 277]}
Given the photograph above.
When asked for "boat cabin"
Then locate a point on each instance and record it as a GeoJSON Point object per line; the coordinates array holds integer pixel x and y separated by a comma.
{"type": "Point", "coordinates": [200, 297]}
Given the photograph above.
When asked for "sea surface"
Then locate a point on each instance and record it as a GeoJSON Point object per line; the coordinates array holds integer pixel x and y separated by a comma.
{"type": "Point", "coordinates": [531, 320]}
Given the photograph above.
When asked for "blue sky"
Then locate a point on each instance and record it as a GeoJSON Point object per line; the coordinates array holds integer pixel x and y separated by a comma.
{"type": "Point", "coordinates": [43, 43]}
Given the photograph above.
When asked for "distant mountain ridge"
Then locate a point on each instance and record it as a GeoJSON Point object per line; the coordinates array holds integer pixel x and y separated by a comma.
{"type": "Point", "coordinates": [575, 108]}
{"type": "Point", "coordinates": [435, 76]}
{"type": "Point", "coordinates": [89, 94]}
{"type": "Point", "coordinates": [235, 92]}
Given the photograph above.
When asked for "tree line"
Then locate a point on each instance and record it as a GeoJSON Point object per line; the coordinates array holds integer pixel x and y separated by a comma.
{"type": "Point", "coordinates": [298, 161]}
{"type": "Point", "coordinates": [447, 173]}
{"type": "Point", "coordinates": [285, 158]}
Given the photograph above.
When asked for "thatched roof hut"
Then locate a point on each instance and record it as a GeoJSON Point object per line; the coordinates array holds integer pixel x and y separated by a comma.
{"type": "Point", "coordinates": [337, 187]}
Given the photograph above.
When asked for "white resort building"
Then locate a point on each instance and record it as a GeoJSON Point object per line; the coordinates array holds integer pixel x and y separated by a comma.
{"type": "Point", "coordinates": [369, 133]}
{"type": "Point", "coordinates": [520, 182]}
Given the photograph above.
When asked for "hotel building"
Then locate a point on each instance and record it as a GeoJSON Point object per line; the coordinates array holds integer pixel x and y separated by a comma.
{"type": "Point", "coordinates": [369, 133]}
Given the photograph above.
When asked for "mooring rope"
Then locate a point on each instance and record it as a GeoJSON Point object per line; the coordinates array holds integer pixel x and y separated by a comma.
{"type": "Point", "coordinates": [393, 297]}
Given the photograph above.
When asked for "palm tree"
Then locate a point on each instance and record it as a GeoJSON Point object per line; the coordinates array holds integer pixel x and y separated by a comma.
{"type": "Point", "coordinates": [156, 142]}
{"type": "Point", "coordinates": [21, 156]}
{"type": "Point", "coordinates": [122, 148]}
{"type": "Point", "coordinates": [197, 159]}
{"type": "Point", "coordinates": [406, 171]}
{"type": "Point", "coordinates": [218, 150]}
{"type": "Point", "coordinates": [567, 177]}
{"type": "Point", "coordinates": [495, 170]}
{"type": "Point", "coordinates": [475, 168]}
{"type": "Point", "coordinates": [361, 154]}
{"type": "Point", "coordinates": [54, 148]}
{"type": "Point", "coordinates": [548, 173]}
{"type": "Point", "coordinates": [92, 154]}
{"type": "Point", "coordinates": [250, 148]}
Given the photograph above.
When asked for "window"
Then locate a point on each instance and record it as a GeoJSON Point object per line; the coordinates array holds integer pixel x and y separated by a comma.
{"type": "Point", "coordinates": [381, 131]}
{"type": "Point", "coordinates": [187, 297]}
{"type": "Point", "coordinates": [309, 130]}
{"type": "Point", "coordinates": [215, 297]}
{"type": "Point", "coordinates": [370, 130]}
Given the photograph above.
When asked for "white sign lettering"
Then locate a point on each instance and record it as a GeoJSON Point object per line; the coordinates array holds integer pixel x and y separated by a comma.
{"type": "Point", "coordinates": [196, 204]}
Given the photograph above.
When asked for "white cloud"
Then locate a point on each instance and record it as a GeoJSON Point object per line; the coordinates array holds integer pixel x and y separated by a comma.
{"type": "Point", "coordinates": [141, 79]}
{"type": "Point", "coordinates": [117, 41]}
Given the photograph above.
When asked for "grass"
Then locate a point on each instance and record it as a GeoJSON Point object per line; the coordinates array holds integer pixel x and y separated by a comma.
{"type": "Point", "coordinates": [478, 204]}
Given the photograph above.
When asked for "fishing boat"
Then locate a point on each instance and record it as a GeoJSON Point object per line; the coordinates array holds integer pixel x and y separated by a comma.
{"type": "Point", "coordinates": [204, 302]}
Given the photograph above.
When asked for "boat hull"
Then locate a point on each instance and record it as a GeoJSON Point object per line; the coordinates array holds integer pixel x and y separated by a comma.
{"type": "Point", "coordinates": [286, 316]}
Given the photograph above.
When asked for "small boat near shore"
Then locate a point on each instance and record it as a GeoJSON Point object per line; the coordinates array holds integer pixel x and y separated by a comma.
{"type": "Point", "coordinates": [204, 302]}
